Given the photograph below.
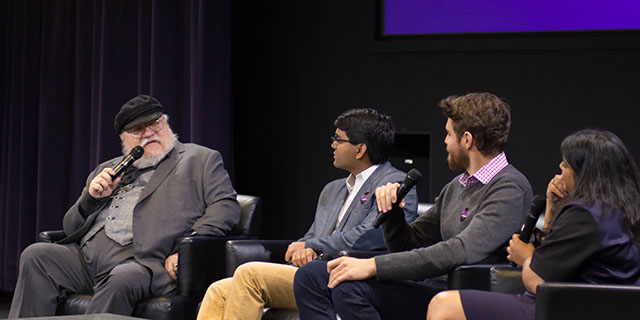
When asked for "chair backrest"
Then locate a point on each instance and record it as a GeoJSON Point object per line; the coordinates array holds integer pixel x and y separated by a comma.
{"type": "Point", "coordinates": [250, 216]}
{"type": "Point", "coordinates": [424, 207]}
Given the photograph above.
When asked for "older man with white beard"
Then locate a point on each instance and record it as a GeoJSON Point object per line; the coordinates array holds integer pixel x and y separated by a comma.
{"type": "Point", "coordinates": [121, 232]}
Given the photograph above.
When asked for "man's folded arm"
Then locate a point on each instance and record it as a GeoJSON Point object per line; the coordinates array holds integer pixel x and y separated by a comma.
{"type": "Point", "coordinates": [498, 218]}
{"type": "Point", "coordinates": [222, 210]}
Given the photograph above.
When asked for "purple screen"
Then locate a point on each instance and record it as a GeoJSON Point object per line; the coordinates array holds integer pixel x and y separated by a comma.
{"type": "Point", "coordinates": [462, 16]}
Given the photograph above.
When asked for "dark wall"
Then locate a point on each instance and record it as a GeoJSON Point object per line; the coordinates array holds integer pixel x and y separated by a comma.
{"type": "Point", "coordinates": [298, 64]}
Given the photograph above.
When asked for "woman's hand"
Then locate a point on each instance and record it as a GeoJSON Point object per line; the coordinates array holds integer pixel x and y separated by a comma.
{"type": "Point", "coordinates": [518, 250]}
{"type": "Point", "coordinates": [556, 191]}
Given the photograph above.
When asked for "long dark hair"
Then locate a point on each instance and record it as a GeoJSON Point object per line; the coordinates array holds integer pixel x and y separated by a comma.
{"type": "Point", "coordinates": [605, 171]}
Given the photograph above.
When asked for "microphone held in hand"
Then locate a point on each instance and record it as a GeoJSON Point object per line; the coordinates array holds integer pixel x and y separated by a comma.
{"type": "Point", "coordinates": [409, 182]}
{"type": "Point", "coordinates": [537, 207]}
{"type": "Point", "coordinates": [134, 155]}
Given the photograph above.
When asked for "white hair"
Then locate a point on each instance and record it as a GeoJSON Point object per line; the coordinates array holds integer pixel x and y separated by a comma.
{"type": "Point", "coordinates": [148, 161]}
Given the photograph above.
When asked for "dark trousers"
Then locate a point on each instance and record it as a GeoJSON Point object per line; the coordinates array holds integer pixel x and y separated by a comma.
{"type": "Point", "coordinates": [367, 299]}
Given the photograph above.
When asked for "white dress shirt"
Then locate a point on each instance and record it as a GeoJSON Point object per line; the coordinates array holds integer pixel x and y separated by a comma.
{"type": "Point", "coordinates": [353, 186]}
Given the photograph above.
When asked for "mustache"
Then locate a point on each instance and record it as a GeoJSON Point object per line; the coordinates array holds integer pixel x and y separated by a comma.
{"type": "Point", "coordinates": [149, 140]}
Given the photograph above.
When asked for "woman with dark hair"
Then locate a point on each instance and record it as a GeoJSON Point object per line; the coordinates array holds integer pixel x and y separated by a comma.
{"type": "Point", "coordinates": [592, 227]}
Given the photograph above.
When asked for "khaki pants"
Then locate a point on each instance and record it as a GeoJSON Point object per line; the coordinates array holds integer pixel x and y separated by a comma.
{"type": "Point", "coordinates": [254, 286]}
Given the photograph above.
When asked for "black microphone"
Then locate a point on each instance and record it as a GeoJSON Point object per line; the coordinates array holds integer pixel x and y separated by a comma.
{"type": "Point", "coordinates": [411, 180]}
{"type": "Point", "coordinates": [537, 207]}
{"type": "Point", "coordinates": [134, 155]}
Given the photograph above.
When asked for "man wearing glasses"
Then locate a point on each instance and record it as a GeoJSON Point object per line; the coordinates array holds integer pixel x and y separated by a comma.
{"type": "Point", "coordinates": [344, 215]}
{"type": "Point", "coordinates": [472, 219]}
{"type": "Point", "coordinates": [121, 232]}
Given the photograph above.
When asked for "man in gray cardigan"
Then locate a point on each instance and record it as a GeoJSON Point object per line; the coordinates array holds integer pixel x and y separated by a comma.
{"type": "Point", "coordinates": [473, 217]}
{"type": "Point", "coordinates": [344, 215]}
{"type": "Point", "coordinates": [121, 232]}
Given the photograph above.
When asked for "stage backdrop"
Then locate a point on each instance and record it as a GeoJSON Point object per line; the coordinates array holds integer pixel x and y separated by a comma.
{"type": "Point", "coordinates": [298, 64]}
{"type": "Point", "coordinates": [68, 66]}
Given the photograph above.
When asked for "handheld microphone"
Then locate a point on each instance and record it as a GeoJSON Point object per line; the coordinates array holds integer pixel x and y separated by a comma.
{"type": "Point", "coordinates": [411, 180]}
{"type": "Point", "coordinates": [134, 155]}
{"type": "Point", "coordinates": [537, 207]}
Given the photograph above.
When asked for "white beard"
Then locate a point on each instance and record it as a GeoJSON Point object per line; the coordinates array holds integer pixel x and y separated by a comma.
{"type": "Point", "coordinates": [148, 161]}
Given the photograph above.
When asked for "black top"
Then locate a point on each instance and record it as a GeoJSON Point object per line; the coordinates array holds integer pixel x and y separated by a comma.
{"type": "Point", "coordinates": [588, 244]}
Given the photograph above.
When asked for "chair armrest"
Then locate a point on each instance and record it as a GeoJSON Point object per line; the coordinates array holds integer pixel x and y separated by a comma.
{"type": "Point", "coordinates": [250, 216]}
{"type": "Point", "coordinates": [475, 276]}
{"type": "Point", "coordinates": [200, 263]}
{"type": "Point", "coordinates": [51, 236]}
{"type": "Point", "coordinates": [556, 300]}
{"type": "Point", "coordinates": [487, 277]}
{"type": "Point", "coordinates": [506, 279]}
{"type": "Point", "coordinates": [362, 253]}
{"type": "Point", "coordinates": [238, 252]}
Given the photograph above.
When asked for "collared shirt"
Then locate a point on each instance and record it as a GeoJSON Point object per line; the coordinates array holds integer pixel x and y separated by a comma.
{"type": "Point", "coordinates": [353, 186]}
{"type": "Point", "coordinates": [486, 173]}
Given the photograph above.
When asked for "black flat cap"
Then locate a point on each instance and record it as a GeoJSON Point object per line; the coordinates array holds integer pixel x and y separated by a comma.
{"type": "Point", "coordinates": [138, 110]}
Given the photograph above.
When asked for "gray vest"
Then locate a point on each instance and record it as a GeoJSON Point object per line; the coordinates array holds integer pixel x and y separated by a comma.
{"type": "Point", "coordinates": [117, 218]}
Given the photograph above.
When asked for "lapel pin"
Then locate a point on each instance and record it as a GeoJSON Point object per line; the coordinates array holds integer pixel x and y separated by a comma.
{"type": "Point", "coordinates": [464, 215]}
{"type": "Point", "coordinates": [364, 197]}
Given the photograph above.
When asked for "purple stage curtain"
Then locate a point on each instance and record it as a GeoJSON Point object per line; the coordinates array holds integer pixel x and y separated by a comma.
{"type": "Point", "coordinates": [67, 67]}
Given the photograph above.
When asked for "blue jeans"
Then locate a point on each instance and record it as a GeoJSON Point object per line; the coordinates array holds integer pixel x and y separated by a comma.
{"type": "Point", "coordinates": [366, 299]}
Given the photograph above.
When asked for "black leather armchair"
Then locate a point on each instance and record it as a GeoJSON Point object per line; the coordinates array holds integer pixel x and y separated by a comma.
{"type": "Point", "coordinates": [487, 277]}
{"type": "Point", "coordinates": [556, 300]}
{"type": "Point", "coordinates": [201, 262]}
{"type": "Point", "coordinates": [241, 251]}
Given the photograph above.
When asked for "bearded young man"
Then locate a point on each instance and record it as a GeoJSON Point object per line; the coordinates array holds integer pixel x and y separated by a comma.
{"type": "Point", "coordinates": [121, 232]}
{"type": "Point", "coordinates": [473, 217]}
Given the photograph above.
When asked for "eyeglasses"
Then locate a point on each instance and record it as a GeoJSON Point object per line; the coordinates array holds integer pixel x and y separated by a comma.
{"type": "Point", "coordinates": [337, 140]}
{"type": "Point", "coordinates": [139, 130]}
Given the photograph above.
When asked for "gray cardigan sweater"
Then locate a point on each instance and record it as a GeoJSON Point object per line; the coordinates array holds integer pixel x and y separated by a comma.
{"type": "Point", "coordinates": [439, 241]}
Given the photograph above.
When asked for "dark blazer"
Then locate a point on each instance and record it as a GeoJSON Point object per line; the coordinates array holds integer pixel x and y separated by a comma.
{"type": "Point", "coordinates": [189, 191]}
{"type": "Point", "coordinates": [355, 230]}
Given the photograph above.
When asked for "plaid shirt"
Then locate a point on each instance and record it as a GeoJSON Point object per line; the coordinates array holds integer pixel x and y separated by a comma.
{"type": "Point", "coordinates": [486, 173]}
